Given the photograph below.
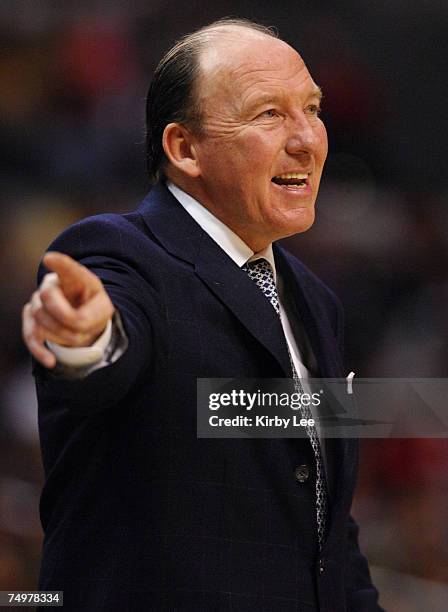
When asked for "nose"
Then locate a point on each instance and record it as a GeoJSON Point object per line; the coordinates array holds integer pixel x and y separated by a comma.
{"type": "Point", "coordinates": [302, 139]}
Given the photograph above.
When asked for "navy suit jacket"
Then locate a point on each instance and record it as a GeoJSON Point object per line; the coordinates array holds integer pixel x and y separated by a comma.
{"type": "Point", "coordinates": [140, 514]}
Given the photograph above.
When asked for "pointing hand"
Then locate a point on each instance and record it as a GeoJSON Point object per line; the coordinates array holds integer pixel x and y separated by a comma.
{"type": "Point", "coordinates": [70, 308]}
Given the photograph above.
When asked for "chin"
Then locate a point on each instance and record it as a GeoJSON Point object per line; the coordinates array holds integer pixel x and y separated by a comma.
{"type": "Point", "coordinates": [301, 222]}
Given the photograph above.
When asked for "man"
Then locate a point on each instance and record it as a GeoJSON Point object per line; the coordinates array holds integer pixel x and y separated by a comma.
{"type": "Point", "coordinates": [140, 514]}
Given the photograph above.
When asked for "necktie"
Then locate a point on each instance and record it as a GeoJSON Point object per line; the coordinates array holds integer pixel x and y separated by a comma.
{"type": "Point", "coordinates": [261, 273]}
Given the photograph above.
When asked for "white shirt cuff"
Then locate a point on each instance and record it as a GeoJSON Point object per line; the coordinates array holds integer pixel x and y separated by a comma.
{"type": "Point", "coordinates": [83, 356]}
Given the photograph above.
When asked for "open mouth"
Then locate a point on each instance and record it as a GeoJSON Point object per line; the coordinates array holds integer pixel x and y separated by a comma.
{"type": "Point", "coordinates": [292, 179]}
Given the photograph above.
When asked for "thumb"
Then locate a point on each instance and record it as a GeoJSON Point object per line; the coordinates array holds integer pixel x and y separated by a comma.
{"type": "Point", "coordinates": [76, 281]}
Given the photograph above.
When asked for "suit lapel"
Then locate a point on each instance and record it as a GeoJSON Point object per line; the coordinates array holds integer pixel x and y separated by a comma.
{"type": "Point", "coordinates": [240, 294]}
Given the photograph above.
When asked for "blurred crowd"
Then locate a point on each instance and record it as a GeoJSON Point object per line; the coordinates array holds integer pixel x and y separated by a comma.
{"type": "Point", "coordinates": [73, 81]}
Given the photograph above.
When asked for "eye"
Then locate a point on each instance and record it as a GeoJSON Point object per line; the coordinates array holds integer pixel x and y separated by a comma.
{"type": "Point", "coordinates": [313, 109]}
{"type": "Point", "coordinates": [270, 113]}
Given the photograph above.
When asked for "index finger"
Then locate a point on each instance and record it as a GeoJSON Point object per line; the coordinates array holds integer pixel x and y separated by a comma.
{"type": "Point", "coordinates": [75, 279]}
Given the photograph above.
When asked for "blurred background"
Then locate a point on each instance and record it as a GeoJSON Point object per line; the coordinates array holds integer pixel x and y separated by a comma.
{"type": "Point", "coordinates": [73, 80]}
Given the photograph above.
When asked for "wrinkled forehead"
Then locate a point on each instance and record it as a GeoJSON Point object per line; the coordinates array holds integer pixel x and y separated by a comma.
{"type": "Point", "coordinates": [238, 60]}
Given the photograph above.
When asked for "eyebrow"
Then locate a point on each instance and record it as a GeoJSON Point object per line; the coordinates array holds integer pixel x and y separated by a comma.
{"type": "Point", "coordinates": [269, 98]}
{"type": "Point", "coordinates": [318, 93]}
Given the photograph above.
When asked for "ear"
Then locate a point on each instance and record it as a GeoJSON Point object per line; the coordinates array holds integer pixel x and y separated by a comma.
{"type": "Point", "coordinates": [178, 144]}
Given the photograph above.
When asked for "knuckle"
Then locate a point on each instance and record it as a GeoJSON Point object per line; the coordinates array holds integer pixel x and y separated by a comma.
{"type": "Point", "coordinates": [36, 301]}
{"type": "Point", "coordinates": [46, 293]}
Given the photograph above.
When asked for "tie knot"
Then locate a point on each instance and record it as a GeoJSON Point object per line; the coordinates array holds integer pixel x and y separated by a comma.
{"type": "Point", "coordinates": [260, 271]}
{"type": "Point", "coordinates": [258, 264]}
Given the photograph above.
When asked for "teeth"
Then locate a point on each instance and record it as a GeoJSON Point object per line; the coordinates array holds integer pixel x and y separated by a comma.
{"type": "Point", "coordinates": [292, 175]}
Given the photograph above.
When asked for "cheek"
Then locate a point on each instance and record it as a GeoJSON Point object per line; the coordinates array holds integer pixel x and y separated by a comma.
{"type": "Point", "coordinates": [224, 168]}
{"type": "Point", "coordinates": [254, 151]}
{"type": "Point", "coordinates": [243, 163]}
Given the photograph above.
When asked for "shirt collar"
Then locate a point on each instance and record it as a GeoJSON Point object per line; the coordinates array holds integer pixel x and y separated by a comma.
{"type": "Point", "coordinates": [226, 238]}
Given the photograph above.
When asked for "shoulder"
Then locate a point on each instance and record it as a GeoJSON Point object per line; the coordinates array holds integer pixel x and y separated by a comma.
{"type": "Point", "coordinates": [99, 231]}
{"type": "Point", "coordinates": [127, 235]}
{"type": "Point", "coordinates": [110, 237]}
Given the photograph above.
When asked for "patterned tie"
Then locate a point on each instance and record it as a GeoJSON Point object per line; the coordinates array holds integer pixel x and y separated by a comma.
{"type": "Point", "coordinates": [260, 272]}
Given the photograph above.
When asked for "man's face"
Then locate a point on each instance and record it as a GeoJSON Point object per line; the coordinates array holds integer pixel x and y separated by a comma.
{"type": "Point", "coordinates": [263, 146]}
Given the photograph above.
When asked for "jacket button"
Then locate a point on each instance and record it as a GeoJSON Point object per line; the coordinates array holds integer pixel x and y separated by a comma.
{"type": "Point", "coordinates": [321, 566]}
{"type": "Point", "coordinates": [302, 473]}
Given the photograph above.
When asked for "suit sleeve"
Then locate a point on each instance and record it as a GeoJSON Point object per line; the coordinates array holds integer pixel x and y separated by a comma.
{"type": "Point", "coordinates": [98, 244]}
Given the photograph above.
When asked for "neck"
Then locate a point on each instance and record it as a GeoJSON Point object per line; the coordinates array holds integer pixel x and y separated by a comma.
{"type": "Point", "coordinates": [255, 241]}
